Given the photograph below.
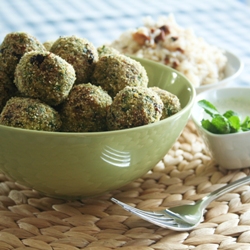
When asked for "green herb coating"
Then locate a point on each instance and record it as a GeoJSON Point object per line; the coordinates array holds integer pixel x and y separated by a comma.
{"type": "Point", "coordinates": [48, 44]}
{"type": "Point", "coordinates": [133, 107]}
{"type": "Point", "coordinates": [31, 114]}
{"type": "Point", "coordinates": [85, 109]}
{"type": "Point", "coordinates": [80, 53]}
{"type": "Point", "coordinates": [7, 89]}
{"type": "Point", "coordinates": [45, 76]}
{"type": "Point", "coordinates": [115, 72]}
{"type": "Point", "coordinates": [171, 102]}
{"type": "Point", "coordinates": [105, 50]}
{"type": "Point", "coordinates": [13, 47]}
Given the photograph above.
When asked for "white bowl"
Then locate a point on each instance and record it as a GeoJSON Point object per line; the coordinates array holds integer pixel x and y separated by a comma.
{"type": "Point", "coordinates": [233, 69]}
{"type": "Point", "coordinates": [230, 151]}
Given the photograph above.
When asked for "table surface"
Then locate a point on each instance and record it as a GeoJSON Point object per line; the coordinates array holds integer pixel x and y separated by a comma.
{"type": "Point", "coordinates": [222, 23]}
{"type": "Point", "coordinates": [29, 220]}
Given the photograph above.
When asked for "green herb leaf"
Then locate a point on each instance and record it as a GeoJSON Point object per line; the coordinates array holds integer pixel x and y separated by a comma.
{"type": "Point", "coordinates": [221, 123]}
{"type": "Point", "coordinates": [245, 126]}
{"type": "Point", "coordinates": [234, 122]}
{"type": "Point", "coordinates": [229, 122]}
{"type": "Point", "coordinates": [208, 107]}
{"type": "Point", "coordinates": [230, 113]}
{"type": "Point", "coordinates": [206, 124]}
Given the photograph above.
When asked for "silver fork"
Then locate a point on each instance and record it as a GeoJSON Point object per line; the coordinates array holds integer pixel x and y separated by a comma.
{"type": "Point", "coordinates": [186, 217]}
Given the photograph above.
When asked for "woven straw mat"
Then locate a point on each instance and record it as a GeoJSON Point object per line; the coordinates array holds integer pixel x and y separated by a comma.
{"type": "Point", "coordinates": [29, 220]}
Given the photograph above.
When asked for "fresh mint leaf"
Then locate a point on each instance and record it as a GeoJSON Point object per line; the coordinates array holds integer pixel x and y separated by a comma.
{"type": "Point", "coordinates": [206, 124]}
{"type": "Point", "coordinates": [229, 122]}
{"type": "Point", "coordinates": [245, 126]}
{"type": "Point", "coordinates": [208, 107]}
{"type": "Point", "coordinates": [221, 123]}
{"type": "Point", "coordinates": [230, 113]}
{"type": "Point", "coordinates": [234, 122]}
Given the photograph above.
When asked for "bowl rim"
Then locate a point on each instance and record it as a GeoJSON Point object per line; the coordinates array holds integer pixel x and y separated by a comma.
{"type": "Point", "coordinates": [240, 66]}
{"type": "Point", "coordinates": [199, 97]}
{"type": "Point", "coordinates": [189, 104]}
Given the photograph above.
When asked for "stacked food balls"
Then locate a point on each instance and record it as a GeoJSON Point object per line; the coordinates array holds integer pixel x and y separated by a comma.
{"type": "Point", "coordinates": [133, 107]}
{"type": "Point", "coordinates": [68, 85]}
{"type": "Point", "coordinates": [7, 89]}
{"type": "Point", "coordinates": [85, 109]}
{"type": "Point", "coordinates": [13, 47]}
{"type": "Point", "coordinates": [171, 103]}
{"type": "Point", "coordinates": [29, 113]}
{"type": "Point", "coordinates": [80, 53]}
{"type": "Point", "coordinates": [45, 76]}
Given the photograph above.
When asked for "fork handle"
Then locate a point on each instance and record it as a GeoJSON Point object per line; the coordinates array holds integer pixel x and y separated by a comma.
{"type": "Point", "coordinates": [223, 190]}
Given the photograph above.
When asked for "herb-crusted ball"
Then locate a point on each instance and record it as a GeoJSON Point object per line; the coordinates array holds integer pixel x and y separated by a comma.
{"type": "Point", "coordinates": [7, 89]}
{"type": "Point", "coordinates": [171, 102]}
{"type": "Point", "coordinates": [13, 47]}
{"type": "Point", "coordinates": [133, 107]}
{"type": "Point", "coordinates": [85, 109]}
{"type": "Point", "coordinates": [45, 76]}
{"type": "Point", "coordinates": [48, 44]}
{"type": "Point", "coordinates": [115, 72]}
{"type": "Point", "coordinates": [107, 50]}
{"type": "Point", "coordinates": [80, 53]}
{"type": "Point", "coordinates": [30, 113]}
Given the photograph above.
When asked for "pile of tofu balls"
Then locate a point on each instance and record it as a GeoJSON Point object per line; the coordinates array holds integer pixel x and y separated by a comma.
{"type": "Point", "coordinates": [69, 85]}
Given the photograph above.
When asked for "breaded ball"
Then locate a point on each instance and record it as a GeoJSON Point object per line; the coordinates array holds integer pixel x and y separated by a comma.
{"type": "Point", "coordinates": [85, 109]}
{"type": "Point", "coordinates": [48, 44]}
{"type": "Point", "coordinates": [80, 53]}
{"type": "Point", "coordinates": [133, 107]}
{"type": "Point", "coordinates": [115, 72]}
{"type": "Point", "coordinates": [13, 47]}
{"type": "Point", "coordinates": [106, 50]}
{"type": "Point", "coordinates": [171, 102]}
{"type": "Point", "coordinates": [30, 113]}
{"type": "Point", "coordinates": [45, 76]}
{"type": "Point", "coordinates": [7, 89]}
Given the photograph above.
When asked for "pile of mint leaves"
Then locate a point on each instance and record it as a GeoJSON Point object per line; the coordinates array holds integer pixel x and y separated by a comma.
{"type": "Point", "coordinates": [226, 123]}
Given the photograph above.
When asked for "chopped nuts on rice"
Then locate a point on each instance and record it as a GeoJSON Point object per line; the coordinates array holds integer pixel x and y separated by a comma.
{"type": "Point", "coordinates": [166, 42]}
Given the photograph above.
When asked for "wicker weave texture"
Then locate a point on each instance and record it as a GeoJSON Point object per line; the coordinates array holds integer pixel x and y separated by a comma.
{"type": "Point", "coordinates": [29, 220]}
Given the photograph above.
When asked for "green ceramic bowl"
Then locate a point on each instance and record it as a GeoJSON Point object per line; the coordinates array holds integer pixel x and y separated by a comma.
{"type": "Point", "coordinates": [78, 165]}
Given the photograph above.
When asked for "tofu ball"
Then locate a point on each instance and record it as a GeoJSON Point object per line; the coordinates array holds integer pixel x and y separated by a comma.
{"type": "Point", "coordinates": [13, 47]}
{"type": "Point", "coordinates": [171, 102]}
{"type": "Point", "coordinates": [85, 109]}
{"type": "Point", "coordinates": [80, 53]}
{"type": "Point", "coordinates": [115, 72]}
{"type": "Point", "coordinates": [29, 113]}
{"type": "Point", "coordinates": [106, 50]}
{"type": "Point", "coordinates": [133, 107]}
{"type": "Point", "coordinates": [45, 76]}
{"type": "Point", "coordinates": [7, 89]}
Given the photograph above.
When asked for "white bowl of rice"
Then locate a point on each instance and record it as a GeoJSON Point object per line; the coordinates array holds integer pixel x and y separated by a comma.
{"type": "Point", "coordinates": [164, 41]}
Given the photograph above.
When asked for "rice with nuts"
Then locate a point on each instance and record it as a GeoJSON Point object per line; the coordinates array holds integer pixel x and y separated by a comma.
{"type": "Point", "coordinates": [166, 42]}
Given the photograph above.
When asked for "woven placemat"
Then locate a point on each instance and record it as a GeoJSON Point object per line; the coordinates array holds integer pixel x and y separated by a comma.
{"type": "Point", "coordinates": [29, 220]}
